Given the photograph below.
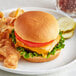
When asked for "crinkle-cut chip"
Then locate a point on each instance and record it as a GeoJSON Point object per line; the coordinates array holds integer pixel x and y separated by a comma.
{"type": "Point", "coordinates": [2, 58]}
{"type": "Point", "coordinates": [10, 21]}
{"type": "Point", "coordinates": [3, 25]}
{"type": "Point", "coordinates": [12, 58]}
{"type": "Point", "coordinates": [12, 14]}
{"type": "Point", "coordinates": [19, 12]}
{"type": "Point", "coordinates": [1, 15]}
{"type": "Point", "coordinates": [2, 22]}
{"type": "Point", "coordinates": [5, 34]}
{"type": "Point", "coordinates": [6, 23]}
{"type": "Point", "coordinates": [16, 13]}
{"type": "Point", "coordinates": [4, 46]}
{"type": "Point", "coordinates": [11, 61]}
{"type": "Point", "coordinates": [11, 55]}
{"type": "Point", "coordinates": [3, 19]}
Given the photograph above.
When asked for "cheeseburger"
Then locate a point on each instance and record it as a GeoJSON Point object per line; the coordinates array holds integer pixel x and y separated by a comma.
{"type": "Point", "coordinates": [37, 37]}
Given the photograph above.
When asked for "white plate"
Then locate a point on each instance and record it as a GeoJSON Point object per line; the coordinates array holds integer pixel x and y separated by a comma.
{"type": "Point", "coordinates": [66, 58]}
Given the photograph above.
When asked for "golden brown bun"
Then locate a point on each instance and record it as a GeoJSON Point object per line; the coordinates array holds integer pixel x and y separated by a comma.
{"type": "Point", "coordinates": [37, 26]}
{"type": "Point", "coordinates": [41, 59]}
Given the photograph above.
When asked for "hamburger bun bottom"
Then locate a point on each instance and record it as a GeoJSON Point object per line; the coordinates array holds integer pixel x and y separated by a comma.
{"type": "Point", "coordinates": [41, 59]}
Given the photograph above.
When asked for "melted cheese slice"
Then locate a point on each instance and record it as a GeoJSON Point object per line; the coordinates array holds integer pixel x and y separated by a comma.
{"type": "Point", "coordinates": [40, 50]}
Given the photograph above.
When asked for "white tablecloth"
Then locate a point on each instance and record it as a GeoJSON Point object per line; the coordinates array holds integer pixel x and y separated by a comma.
{"type": "Point", "coordinates": [6, 4]}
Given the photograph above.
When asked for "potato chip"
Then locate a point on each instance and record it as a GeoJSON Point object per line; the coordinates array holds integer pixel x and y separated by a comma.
{"type": "Point", "coordinates": [16, 13]}
{"type": "Point", "coordinates": [1, 15]}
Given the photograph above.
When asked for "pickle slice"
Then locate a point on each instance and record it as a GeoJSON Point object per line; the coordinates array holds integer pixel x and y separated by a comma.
{"type": "Point", "coordinates": [68, 34]}
{"type": "Point", "coordinates": [66, 24]}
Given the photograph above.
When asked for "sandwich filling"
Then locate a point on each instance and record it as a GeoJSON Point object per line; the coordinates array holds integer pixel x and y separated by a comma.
{"type": "Point", "coordinates": [44, 51]}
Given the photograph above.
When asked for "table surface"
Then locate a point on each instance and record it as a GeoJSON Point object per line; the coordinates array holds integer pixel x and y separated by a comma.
{"type": "Point", "coordinates": [6, 4]}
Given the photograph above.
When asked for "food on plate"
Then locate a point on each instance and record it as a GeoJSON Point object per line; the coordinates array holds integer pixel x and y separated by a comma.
{"type": "Point", "coordinates": [36, 36]}
{"type": "Point", "coordinates": [68, 34]}
{"type": "Point", "coordinates": [2, 58]}
{"type": "Point", "coordinates": [16, 13]}
{"type": "Point", "coordinates": [12, 58]}
{"type": "Point", "coordinates": [7, 52]}
{"type": "Point", "coordinates": [1, 15]}
{"type": "Point", "coordinates": [32, 35]}
{"type": "Point", "coordinates": [67, 26]}
{"type": "Point", "coordinates": [10, 21]}
{"type": "Point", "coordinates": [6, 24]}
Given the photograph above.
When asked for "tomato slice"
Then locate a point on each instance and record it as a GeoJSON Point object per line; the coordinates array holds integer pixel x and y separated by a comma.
{"type": "Point", "coordinates": [32, 44]}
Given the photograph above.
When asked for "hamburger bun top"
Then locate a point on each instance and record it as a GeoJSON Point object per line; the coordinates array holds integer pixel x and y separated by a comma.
{"type": "Point", "coordinates": [37, 26]}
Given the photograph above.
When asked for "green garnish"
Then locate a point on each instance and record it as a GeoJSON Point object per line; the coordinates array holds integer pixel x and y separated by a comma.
{"type": "Point", "coordinates": [20, 49]}
{"type": "Point", "coordinates": [53, 51]}
{"type": "Point", "coordinates": [26, 53]}
{"type": "Point", "coordinates": [35, 54]}
{"type": "Point", "coordinates": [31, 54]}
{"type": "Point", "coordinates": [59, 46]}
{"type": "Point", "coordinates": [12, 36]}
{"type": "Point", "coordinates": [21, 53]}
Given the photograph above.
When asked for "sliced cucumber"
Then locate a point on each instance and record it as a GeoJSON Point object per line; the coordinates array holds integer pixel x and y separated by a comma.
{"type": "Point", "coordinates": [66, 24]}
{"type": "Point", "coordinates": [68, 35]}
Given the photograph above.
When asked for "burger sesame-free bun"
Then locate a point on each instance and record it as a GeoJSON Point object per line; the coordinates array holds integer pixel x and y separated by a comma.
{"type": "Point", "coordinates": [41, 59]}
{"type": "Point", "coordinates": [36, 26]}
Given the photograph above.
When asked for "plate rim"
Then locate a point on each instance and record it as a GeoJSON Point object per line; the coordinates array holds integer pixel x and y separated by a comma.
{"type": "Point", "coordinates": [36, 72]}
